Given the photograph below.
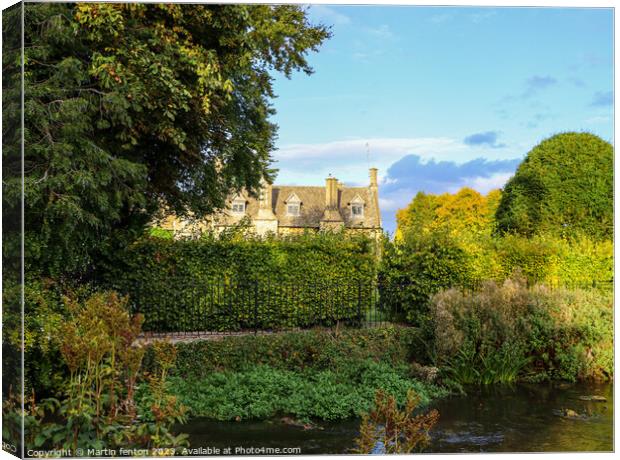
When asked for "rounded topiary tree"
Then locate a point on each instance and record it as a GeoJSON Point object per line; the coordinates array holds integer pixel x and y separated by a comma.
{"type": "Point", "coordinates": [563, 187]}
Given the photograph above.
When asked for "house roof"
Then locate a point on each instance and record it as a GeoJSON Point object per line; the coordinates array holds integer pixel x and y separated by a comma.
{"type": "Point", "coordinates": [312, 207]}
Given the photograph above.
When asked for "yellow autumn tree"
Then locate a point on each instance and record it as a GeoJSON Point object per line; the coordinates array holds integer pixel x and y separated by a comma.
{"type": "Point", "coordinates": [466, 211]}
{"type": "Point", "coordinates": [467, 217]}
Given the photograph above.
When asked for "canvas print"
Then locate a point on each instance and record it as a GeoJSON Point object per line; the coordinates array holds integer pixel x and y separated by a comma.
{"type": "Point", "coordinates": [302, 229]}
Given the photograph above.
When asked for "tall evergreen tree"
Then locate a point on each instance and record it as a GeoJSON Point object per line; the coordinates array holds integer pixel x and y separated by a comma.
{"type": "Point", "coordinates": [130, 107]}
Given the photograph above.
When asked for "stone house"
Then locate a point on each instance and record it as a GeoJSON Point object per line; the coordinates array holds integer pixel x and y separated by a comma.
{"type": "Point", "coordinates": [290, 209]}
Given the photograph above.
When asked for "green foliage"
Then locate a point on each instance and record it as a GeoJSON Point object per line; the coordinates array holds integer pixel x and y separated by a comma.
{"type": "Point", "coordinates": [416, 268]}
{"type": "Point", "coordinates": [470, 253]}
{"type": "Point", "coordinates": [264, 392]}
{"type": "Point", "coordinates": [157, 232]}
{"type": "Point", "coordinates": [326, 374]}
{"type": "Point", "coordinates": [506, 332]}
{"type": "Point", "coordinates": [131, 107]}
{"type": "Point", "coordinates": [564, 187]}
{"type": "Point", "coordinates": [97, 408]}
{"type": "Point", "coordinates": [231, 283]}
{"type": "Point", "coordinates": [44, 313]}
{"type": "Point", "coordinates": [316, 350]}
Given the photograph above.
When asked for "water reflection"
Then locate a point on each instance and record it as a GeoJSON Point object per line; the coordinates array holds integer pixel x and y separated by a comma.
{"type": "Point", "coordinates": [522, 418]}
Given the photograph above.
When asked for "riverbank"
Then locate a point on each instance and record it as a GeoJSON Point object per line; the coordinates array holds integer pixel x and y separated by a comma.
{"type": "Point", "coordinates": [497, 418]}
{"type": "Point", "coordinates": [332, 374]}
{"type": "Point", "coordinates": [346, 391]}
{"type": "Point", "coordinates": [319, 374]}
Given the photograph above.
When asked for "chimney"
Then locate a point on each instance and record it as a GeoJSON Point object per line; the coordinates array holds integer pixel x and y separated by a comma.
{"type": "Point", "coordinates": [264, 195]}
{"type": "Point", "coordinates": [373, 177]}
{"type": "Point", "coordinates": [373, 188]}
{"type": "Point", "coordinates": [331, 192]}
{"type": "Point", "coordinates": [265, 204]}
{"type": "Point", "coordinates": [265, 221]}
{"type": "Point", "coordinates": [331, 216]}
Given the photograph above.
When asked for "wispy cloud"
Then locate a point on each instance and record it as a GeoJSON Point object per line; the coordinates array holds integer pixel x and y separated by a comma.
{"type": "Point", "coordinates": [383, 31]}
{"type": "Point", "coordinates": [367, 56]}
{"type": "Point", "coordinates": [578, 82]}
{"type": "Point", "coordinates": [536, 83]}
{"type": "Point", "coordinates": [538, 118]}
{"type": "Point", "coordinates": [482, 16]}
{"type": "Point", "coordinates": [602, 99]}
{"type": "Point", "coordinates": [488, 138]}
{"type": "Point", "coordinates": [323, 13]}
{"type": "Point", "coordinates": [597, 119]}
{"type": "Point", "coordinates": [441, 18]}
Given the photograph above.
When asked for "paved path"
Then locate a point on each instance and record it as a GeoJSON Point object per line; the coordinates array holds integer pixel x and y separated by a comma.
{"type": "Point", "coordinates": [178, 337]}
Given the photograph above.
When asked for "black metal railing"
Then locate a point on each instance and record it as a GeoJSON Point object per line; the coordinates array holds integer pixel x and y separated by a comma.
{"type": "Point", "coordinates": [227, 305]}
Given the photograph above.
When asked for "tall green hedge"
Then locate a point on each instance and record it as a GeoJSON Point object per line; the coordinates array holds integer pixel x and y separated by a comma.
{"type": "Point", "coordinates": [233, 283]}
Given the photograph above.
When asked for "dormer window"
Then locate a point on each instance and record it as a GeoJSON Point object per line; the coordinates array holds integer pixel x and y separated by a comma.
{"type": "Point", "coordinates": [292, 209]}
{"type": "Point", "coordinates": [357, 207]}
{"type": "Point", "coordinates": [238, 206]}
{"type": "Point", "coordinates": [293, 205]}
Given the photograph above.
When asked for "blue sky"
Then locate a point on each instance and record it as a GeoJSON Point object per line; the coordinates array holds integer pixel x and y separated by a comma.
{"type": "Point", "coordinates": [443, 97]}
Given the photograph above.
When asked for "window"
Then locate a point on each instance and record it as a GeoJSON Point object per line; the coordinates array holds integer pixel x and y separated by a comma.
{"type": "Point", "coordinates": [293, 209]}
{"type": "Point", "coordinates": [293, 205]}
{"type": "Point", "coordinates": [238, 207]}
{"type": "Point", "coordinates": [357, 207]}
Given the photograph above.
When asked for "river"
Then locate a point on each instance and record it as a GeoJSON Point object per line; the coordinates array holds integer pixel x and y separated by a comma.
{"type": "Point", "coordinates": [519, 418]}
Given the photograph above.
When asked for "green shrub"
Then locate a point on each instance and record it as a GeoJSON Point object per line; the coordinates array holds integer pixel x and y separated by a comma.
{"type": "Point", "coordinates": [317, 349]}
{"type": "Point", "coordinates": [232, 283]}
{"type": "Point", "coordinates": [97, 406]}
{"type": "Point", "coordinates": [504, 332]}
{"type": "Point", "coordinates": [44, 313]}
{"type": "Point", "coordinates": [326, 374]}
{"type": "Point", "coordinates": [263, 392]}
{"type": "Point", "coordinates": [564, 187]}
{"type": "Point", "coordinates": [578, 261]}
{"type": "Point", "coordinates": [418, 267]}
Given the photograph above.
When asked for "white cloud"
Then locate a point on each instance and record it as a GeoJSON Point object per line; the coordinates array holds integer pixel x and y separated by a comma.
{"type": "Point", "coordinates": [441, 18]}
{"type": "Point", "coordinates": [323, 13]}
{"type": "Point", "coordinates": [394, 203]}
{"type": "Point", "coordinates": [477, 18]}
{"type": "Point", "coordinates": [480, 167]}
{"type": "Point", "coordinates": [485, 184]}
{"type": "Point", "coordinates": [383, 31]}
{"type": "Point", "coordinates": [350, 159]}
{"type": "Point", "coordinates": [382, 148]}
